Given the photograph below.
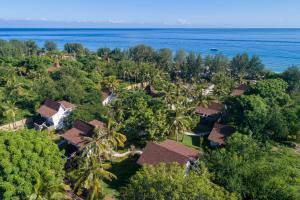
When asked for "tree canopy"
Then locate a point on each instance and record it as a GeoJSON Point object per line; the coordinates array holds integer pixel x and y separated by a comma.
{"type": "Point", "coordinates": [165, 182]}
{"type": "Point", "coordinates": [254, 171]}
{"type": "Point", "coordinates": [252, 166]}
{"type": "Point", "coordinates": [28, 157]}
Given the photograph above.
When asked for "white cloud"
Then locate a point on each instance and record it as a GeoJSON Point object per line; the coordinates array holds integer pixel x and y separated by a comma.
{"type": "Point", "coordinates": [183, 22]}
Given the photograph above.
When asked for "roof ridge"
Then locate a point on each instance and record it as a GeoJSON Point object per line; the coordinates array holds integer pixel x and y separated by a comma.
{"type": "Point", "coordinates": [171, 149]}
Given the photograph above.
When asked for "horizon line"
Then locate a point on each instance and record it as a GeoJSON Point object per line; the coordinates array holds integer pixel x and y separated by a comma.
{"type": "Point", "coordinates": [149, 27]}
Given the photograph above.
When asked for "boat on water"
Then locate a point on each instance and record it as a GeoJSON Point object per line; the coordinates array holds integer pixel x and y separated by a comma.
{"type": "Point", "coordinates": [213, 49]}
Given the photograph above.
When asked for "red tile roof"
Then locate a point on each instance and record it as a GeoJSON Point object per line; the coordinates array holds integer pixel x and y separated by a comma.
{"type": "Point", "coordinates": [80, 130]}
{"type": "Point", "coordinates": [50, 107]}
{"type": "Point", "coordinates": [240, 90]}
{"type": "Point", "coordinates": [167, 151]}
{"type": "Point", "coordinates": [212, 109]}
{"type": "Point", "coordinates": [220, 132]}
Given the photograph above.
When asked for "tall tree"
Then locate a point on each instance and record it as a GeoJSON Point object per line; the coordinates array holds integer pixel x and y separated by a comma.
{"type": "Point", "coordinates": [46, 191]}
{"type": "Point", "coordinates": [239, 66]}
{"type": "Point", "coordinates": [10, 111]}
{"type": "Point", "coordinates": [292, 76]}
{"type": "Point", "coordinates": [272, 90]}
{"type": "Point", "coordinates": [92, 168]}
{"type": "Point", "coordinates": [90, 176]}
{"type": "Point", "coordinates": [50, 46]}
{"type": "Point", "coordinates": [254, 171]}
{"type": "Point", "coordinates": [248, 112]}
{"type": "Point", "coordinates": [74, 48]}
{"type": "Point", "coordinates": [256, 68]}
{"type": "Point", "coordinates": [104, 53]}
{"type": "Point", "coordinates": [178, 121]}
{"type": "Point", "coordinates": [169, 182]}
{"type": "Point", "coordinates": [28, 156]}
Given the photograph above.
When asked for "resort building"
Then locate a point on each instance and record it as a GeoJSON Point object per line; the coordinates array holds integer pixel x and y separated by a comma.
{"type": "Point", "coordinates": [209, 90]}
{"type": "Point", "coordinates": [219, 133]}
{"type": "Point", "coordinates": [168, 151]}
{"type": "Point", "coordinates": [240, 90]}
{"type": "Point", "coordinates": [152, 92]}
{"type": "Point", "coordinates": [56, 66]}
{"type": "Point", "coordinates": [53, 114]}
{"type": "Point", "coordinates": [81, 129]}
{"type": "Point", "coordinates": [213, 109]}
{"type": "Point", "coordinates": [108, 97]}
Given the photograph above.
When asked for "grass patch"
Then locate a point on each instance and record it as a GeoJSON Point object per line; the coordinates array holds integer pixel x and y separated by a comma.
{"type": "Point", "coordinates": [190, 141]}
{"type": "Point", "coordinates": [124, 169]}
{"type": "Point", "coordinates": [108, 191]}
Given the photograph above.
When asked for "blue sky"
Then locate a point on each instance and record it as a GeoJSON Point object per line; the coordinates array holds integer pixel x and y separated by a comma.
{"type": "Point", "coordinates": [150, 13]}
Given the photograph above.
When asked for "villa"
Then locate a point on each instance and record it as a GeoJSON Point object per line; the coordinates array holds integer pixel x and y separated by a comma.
{"type": "Point", "coordinates": [75, 136]}
{"type": "Point", "coordinates": [56, 66]}
{"type": "Point", "coordinates": [209, 90]}
{"type": "Point", "coordinates": [240, 90]}
{"type": "Point", "coordinates": [53, 114]}
{"type": "Point", "coordinates": [152, 92]}
{"type": "Point", "coordinates": [213, 109]}
{"type": "Point", "coordinates": [168, 151]}
{"type": "Point", "coordinates": [219, 133]}
{"type": "Point", "coordinates": [108, 97]}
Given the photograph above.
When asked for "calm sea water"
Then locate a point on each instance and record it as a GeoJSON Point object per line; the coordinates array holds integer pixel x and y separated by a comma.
{"type": "Point", "coordinates": [278, 48]}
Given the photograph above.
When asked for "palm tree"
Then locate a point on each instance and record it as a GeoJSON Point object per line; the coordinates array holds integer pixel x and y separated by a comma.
{"type": "Point", "coordinates": [42, 190]}
{"type": "Point", "coordinates": [90, 176]}
{"type": "Point", "coordinates": [111, 83]}
{"type": "Point", "coordinates": [104, 141]}
{"type": "Point", "coordinates": [10, 111]}
{"type": "Point", "coordinates": [13, 88]}
{"type": "Point", "coordinates": [178, 121]}
{"type": "Point", "coordinates": [92, 167]}
{"type": "Point", "coordinates": [22, 70]}
{"type": "Point", "coordinates": [116, 138]}
{"type": "Point", "coordinates": [200, 98]}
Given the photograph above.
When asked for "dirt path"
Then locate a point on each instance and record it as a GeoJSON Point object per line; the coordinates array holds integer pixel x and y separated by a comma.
{"type": "Point", "coordinates": [121, 155]}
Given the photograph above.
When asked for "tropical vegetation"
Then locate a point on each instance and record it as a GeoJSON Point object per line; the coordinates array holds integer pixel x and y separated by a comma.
{"type": "Point", "coordinates": [261, 161]}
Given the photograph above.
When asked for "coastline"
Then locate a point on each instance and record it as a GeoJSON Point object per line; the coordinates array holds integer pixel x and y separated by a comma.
{"type": "Point", "coordinates": [276, 47]}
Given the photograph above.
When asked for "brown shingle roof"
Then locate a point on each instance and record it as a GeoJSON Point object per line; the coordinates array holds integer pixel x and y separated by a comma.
{"type": "Point", "coordinates": [50, 107]}
{"type": "Point", "coordinates": [66, 104]}
{"type": "Point", "coordinates": [240, 90]}
{"type": "Point", "coordinates": [54, 67]}
{"type": "Point", "coordinates": [220, 132]}
{"type": "Point", "coordinates": [167, 151]}
{"type": "Point", "coordinates": [152, 92]}
{"type": "Point", "coordinates": [97, 124]}
{"type": "Point", "coordinates": [212, 109]}
{"type": "Point", "coordinates": [105, 94]}
{"type": "Point", "coordinates": [80, 130]}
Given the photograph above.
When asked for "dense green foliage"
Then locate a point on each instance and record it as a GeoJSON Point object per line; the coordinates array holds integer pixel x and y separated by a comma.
{"type": "Point", "coordinates": [146, 117]}
{"type": "Point", "coordinates": [248, 165]}
{"type": "Point", "coordinates": [292, 77]}
{"type": "Point", "coordinates": [268, 111]}
{"type": "Point", "coordinates": [255, 171]}
{"type": "Point", "coordinates": [27, 158]}
{"type": "Point", "coordinates": [165, 182]}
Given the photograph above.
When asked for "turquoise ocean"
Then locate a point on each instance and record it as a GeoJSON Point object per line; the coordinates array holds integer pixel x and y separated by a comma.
{"type": "Point", "coordinates": [278, 48]}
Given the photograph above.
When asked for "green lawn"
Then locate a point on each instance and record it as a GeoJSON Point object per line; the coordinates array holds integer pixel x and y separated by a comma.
{"type": "Point", "coordinates": [191, 141]}
{"type": "Point", "coordinates": [123, 168]}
